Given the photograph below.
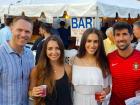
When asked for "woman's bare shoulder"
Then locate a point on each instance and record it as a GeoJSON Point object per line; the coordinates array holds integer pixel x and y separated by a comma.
{"type": "Point", "coordinates": [34, 71]}
{"type": "Point", "coordinates": [74, 60]}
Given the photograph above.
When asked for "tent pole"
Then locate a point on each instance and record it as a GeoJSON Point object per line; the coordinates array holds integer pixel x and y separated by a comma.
{"type": "Point", "coordinates": [97, 20]}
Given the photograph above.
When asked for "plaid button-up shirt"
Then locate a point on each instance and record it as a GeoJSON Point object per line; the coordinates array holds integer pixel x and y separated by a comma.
{"type": "Point", "coordinates": [14, 75]}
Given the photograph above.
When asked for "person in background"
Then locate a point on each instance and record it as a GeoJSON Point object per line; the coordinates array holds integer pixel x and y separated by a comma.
{"type": "Point", "coordinates": [124, 65]}
{"type": "Point", "coordinates": [53, 30]}
{"type": "Point", "coordinates": [90, 71]}
{"type": "Point", "coordinates": [42, 29]}
{"type": "Point", "coordinates": [37, 31]}
{"type": "Point", "coordinates": [136, 31]}
{"type": "Point", "coordinates": [45, 31]}
{"type": "Point", "coordinates": [16, 62]}
{"type": "Point", "coordinates": [35, 44]}
{"type": "Point", "coordinates": [64, 34]}
{"type": "Point", "coordinates": [2, 25]}
{"type": "Point", "coordinates": [109, 41]}
{"type": "Point", "coordinates": [36, 25]}
{"type": "Point", "coordinates": [51, 71]}
{"type": "Point", "coordinates": [5, 33]}
{"type": "Point", "coordinates": [104, 28]}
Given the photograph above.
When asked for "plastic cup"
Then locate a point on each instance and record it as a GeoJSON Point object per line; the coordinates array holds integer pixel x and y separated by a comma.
{"type": "Point", "coordinates": [137, 93]}
{"type": "Point", "coordinates": [44, 88]}
{"type": "Point", "coordinates": [97, 96]}
{"type": "Point", "coordinates": [98, 91]}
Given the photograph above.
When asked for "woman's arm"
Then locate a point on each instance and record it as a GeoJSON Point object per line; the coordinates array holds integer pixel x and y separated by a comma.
{"type": "Point", "coordinates": [68, 69]}
{"type": "Point", "coordinates": [106, 89]}
{"type": "Point", "coordinates": [33, 90]}
{"type": "Point", "coordinates": [32, 81]}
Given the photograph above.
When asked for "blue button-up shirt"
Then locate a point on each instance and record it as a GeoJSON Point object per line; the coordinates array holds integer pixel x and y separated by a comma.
{"type": "Point", "coordinates": [14, 75]}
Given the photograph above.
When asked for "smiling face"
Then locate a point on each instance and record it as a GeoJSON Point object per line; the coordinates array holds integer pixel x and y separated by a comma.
{"type": "Point", "coordinates": [92, 44]}
{"type": "Point", "coordinates": [53, 51]}
{"type": "Point", "coordinates": [122, 39]}
{"type": "Point", "coordinates": [21, 32]}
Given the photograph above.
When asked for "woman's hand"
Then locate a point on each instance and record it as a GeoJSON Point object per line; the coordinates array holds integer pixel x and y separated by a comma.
{"type": "Point", "coordinates": [36, 91]}
{"type": "Point", "coordinates": [100, 96]}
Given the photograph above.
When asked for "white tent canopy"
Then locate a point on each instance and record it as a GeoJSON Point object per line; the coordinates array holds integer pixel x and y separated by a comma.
{"type": "Point", "coordinates": [109, 8]}
{"type": "Point", "coordinates": [85, 8]}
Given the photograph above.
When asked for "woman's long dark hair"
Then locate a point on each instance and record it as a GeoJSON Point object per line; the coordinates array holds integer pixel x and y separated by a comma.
{"type": "Point", "coordinates": [99, 54]}
{"type": "Point", "coordinates": [45, 73]}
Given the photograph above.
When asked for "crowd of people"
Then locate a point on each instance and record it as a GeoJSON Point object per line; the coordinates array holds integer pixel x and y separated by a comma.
{"type": "Point", "coordinates": [93, 73]}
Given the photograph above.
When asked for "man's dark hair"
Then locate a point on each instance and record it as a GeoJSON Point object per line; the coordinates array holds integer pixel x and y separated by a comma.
{"type": "Point", "coordinates": [122, 25]}
{"type": "Point", "coordinates": [62, 23]}
{"type": "Point", "coordinates": [47, 27]}
{"type": "Point", "coordinates": [8, 20]}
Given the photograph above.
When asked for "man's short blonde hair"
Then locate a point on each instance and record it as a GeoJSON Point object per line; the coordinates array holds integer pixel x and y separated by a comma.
{"type": "Point", "coordinates": [23, 18]}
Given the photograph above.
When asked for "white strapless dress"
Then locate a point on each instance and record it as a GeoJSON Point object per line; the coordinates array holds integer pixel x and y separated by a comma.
{"type": "Point", "coordinates": [86, 81]}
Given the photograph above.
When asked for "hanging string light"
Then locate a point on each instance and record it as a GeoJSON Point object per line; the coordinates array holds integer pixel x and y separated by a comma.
{"type": "Point", "coordinates": [117, 16]}
{"type": "Point", "coordinates": [23, 13]}
{"type": "Point", "coordinates": [138, 16]}
{"type": "Point", "coordinates": [42, 17]}
{"type": "Point", "coordinates": [65, 15]}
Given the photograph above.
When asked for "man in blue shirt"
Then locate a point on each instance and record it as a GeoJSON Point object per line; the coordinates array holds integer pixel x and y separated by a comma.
{"type": "Point", "coordinates": [16, 62]}
{"type": "Point", "coordinates": [5, 33]}
{"type": "Point", "coordinates": [64, 34]}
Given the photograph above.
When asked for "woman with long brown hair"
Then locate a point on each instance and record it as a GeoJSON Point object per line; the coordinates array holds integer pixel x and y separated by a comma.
{"type": "Point", "coordinates": [52, 72]}
{"type": "Point", "coordinates": [89, 69]}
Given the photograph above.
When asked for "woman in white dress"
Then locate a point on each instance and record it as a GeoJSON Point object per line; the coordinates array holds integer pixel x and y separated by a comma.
{"type": "Point", "coordinates": [90, 69]}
